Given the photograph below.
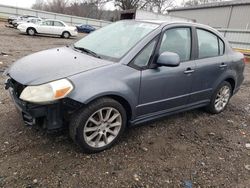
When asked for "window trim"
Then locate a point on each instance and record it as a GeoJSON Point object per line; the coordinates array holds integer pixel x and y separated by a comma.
{"type": "Point", "coordinates": [133, 65]}
{"type": "Point", "coordinates": [197, 43]}
{"type": "Point", "coordinates": [191, 40]}
{"type": "Point", "coordinates": [159, 38]}
{"type": "Point", "coordinates": [219, 39]}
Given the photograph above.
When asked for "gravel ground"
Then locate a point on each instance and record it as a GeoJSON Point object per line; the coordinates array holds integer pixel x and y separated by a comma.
{"type": "Point", "coordinates": [191, 148]}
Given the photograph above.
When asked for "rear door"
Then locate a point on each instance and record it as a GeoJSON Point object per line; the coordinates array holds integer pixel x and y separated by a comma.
{"type": "Point", "coordinates": [59, 27]}
{"type": "Point", "coordinates": [211, 63]}
{"type": "Point", "coordinates": [164, 89]}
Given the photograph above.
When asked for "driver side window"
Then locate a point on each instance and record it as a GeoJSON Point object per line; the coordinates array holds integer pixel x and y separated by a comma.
{"type": "Point", "coordinates": [48, 23]}
{"type": "Point", "coordinates": [177, 40]}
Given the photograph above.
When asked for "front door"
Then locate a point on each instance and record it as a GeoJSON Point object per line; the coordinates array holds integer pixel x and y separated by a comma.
{"type": "Point", "coordinates": [45, 27]}
{"type": "Point", "coordinates": [164, 89]}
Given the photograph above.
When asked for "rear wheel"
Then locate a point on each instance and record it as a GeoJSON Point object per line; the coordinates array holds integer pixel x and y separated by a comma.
{"type": "Point", "coordinates": [66, 34]}
{"type": "Point", "coordinates": [31, 31]}
{"type": "Point", "coordinates": [220, 98]}
{"type": "Point", "coordinates": [99, 125]}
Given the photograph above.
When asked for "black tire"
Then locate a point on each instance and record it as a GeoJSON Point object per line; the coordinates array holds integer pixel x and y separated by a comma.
{"type": "Point", "coordinates": [31, 31]}
{"type": "Point", "coordinates": [66, 34]}
{"type": "Point", "coordinates": [211, 107]}
{"type": "Point", "coordinates": [79, 120]}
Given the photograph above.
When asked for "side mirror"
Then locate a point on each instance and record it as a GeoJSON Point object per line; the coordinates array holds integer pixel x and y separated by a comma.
{"type": "Point", "coordinates": [168, 59]}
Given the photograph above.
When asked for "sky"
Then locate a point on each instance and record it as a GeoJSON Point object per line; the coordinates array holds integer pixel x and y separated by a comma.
{"type": "Point", "coordinates": [29, 3]}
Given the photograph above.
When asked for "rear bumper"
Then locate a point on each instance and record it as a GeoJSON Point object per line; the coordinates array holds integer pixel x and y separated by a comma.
{"type": "Point", "coordinates": [74, 33]}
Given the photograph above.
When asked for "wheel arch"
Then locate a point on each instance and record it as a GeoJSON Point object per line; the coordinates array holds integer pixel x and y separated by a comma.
{"type": "Point", "coordinates": [122, 100]}
{"type": "Point", "coordinates": [231, 81]}
{"type": "Point", "coordinates": [31, 28]}
{"type": "Point", "coordinates": [65, 31]}
{"type": "Point", "coordinates": [230, 77]}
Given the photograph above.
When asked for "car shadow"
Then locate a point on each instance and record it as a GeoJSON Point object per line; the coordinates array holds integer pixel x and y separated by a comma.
{"type": "Point", "coordinates": [48, 36]}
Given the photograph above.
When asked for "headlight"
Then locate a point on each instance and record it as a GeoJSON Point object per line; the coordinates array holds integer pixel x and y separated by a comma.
{"type": "Point", "coordinates": [47, 92]}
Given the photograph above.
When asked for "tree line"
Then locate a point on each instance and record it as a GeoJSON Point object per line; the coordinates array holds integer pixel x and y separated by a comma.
{"type": "Point", "coordinates": [96, 8]}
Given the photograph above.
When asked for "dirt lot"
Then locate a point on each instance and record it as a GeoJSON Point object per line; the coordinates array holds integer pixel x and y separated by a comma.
{"type": "Point", "coordinates": [189, 148]}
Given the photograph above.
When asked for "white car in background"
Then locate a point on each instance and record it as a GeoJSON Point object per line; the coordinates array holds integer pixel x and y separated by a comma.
{"type": "Point", "coordinates": [23, 18]}
{"type": "Point", "coordinates": [29, 20]}
{"type": "Point", "coordinates": [49, 27]}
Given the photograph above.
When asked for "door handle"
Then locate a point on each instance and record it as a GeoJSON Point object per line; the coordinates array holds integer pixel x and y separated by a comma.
{"type": "Point", "coordinates": [188, 71]}
{"type": "Point", "coordinates": [222, 65]}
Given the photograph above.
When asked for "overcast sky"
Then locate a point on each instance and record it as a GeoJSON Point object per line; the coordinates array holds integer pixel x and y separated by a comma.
{"type": "Point", "coordinates": [29, 3]}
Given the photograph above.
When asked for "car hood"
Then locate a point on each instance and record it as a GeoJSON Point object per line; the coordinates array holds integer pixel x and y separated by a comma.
{"type": "Point", "coordinates": [53, 64]}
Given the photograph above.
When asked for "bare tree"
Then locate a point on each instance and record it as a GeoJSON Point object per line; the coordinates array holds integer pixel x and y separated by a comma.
{"type": "Point", "coordinates": [58, 5]}
{"type": "Point", "coordinates": [39, 5]}
{"type": "Point", "coordinates": [162, 5]}
{"type": "Point", "coordinates": [132, 4]}
{"type": "Point", "coordinates": [84, 8]}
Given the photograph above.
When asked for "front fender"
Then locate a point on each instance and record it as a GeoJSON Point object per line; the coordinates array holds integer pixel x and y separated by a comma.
{"type": "Point", "coordinates": [116, 80]}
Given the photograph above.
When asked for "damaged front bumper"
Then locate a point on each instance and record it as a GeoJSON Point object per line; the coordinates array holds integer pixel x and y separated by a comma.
{"type": "Point", "coordinates": [52, 116]}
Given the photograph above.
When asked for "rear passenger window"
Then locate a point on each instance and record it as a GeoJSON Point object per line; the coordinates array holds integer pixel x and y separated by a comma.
{"type": "Point", "coordinates": [209, 44]}
{"type": "Point", "coordinates": [177, 40]}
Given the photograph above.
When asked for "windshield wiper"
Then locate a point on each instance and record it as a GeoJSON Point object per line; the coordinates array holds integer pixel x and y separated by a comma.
{"type": "Point", "coordinates": [87, 51]}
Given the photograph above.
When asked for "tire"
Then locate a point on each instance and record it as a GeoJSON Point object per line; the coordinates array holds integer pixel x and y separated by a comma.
{"type": "Point", "coordinates": [214, 107]}
{"type": "Point", "coordinates": [31, 31]}
{"type": "Point", "coordinates": [66, 34]}
{"type": "Point", "coordinates": [91, 136]}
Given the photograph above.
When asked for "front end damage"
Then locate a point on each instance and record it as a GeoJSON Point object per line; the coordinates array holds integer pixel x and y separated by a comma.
{"type": "Point", "coordinates": [51, 116]}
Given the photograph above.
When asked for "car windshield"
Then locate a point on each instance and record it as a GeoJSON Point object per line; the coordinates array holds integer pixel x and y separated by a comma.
{"type": "Point", "coordinates": [115, 40]}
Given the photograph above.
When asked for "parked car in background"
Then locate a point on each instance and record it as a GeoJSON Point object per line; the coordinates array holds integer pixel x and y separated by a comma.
{"type": "Point", "coordinates": [21, 18]}
{"type": "Point", "coordinates": [29, 20]}
{"type": "Point", "coordinates": [85, 28]}
{"type": "Point", "coordinates": [49, 27]}
{"type": "Point", "coordinates": [126, 73]}
{"type": "Point", "coordinates": [11, 18]}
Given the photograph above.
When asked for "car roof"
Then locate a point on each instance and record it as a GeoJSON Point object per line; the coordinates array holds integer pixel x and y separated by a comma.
{"type": "Point", "coordinates": [53, 20]}
{"type": "Point", "coordinates": [167, 22]}
{"type": "Point", "coordinates": [164, 23]}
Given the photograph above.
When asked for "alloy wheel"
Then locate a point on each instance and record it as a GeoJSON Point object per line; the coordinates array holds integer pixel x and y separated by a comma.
{"type": "Point", "coordinates": [222, 98]}
{"type": "Point", "coordinates": [102, 127]}
{"type": "Point", "coordinates": [31, 32]}
{"type": "Point", "coordinates": [66, 35]}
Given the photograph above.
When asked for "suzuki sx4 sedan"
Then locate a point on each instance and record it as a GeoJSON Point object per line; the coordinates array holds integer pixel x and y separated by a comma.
{"type": "Point", "coordinates": [126, 73]}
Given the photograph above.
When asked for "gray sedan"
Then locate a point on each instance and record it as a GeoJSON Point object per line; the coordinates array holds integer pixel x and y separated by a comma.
{"type": "Point", "coordinates": [124, 74]}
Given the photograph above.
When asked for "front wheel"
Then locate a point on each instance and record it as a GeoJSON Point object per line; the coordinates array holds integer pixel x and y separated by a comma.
{"type": "Point", "coordinates": [99, 125]}
{"type": "Point", "coordinates": [220, 98]}
{"type": "Point", "coordinates": [31, 31]}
